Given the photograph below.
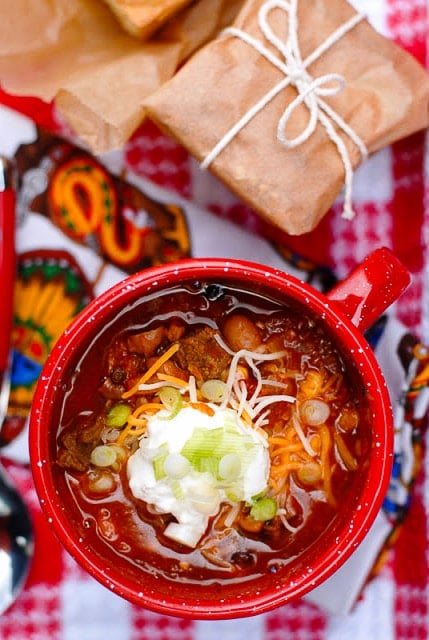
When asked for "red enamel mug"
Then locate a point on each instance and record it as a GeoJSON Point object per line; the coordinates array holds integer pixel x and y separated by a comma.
{"type": "Point", "coordinates": [344, 313]}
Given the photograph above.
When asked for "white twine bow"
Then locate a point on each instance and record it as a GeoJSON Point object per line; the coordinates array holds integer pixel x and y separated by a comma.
{"type": "Point", "coordinates": [311, 91]}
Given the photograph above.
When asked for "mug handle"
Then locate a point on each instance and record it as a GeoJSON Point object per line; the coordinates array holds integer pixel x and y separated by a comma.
{"type": "Point", "coordinates": [371, 288]}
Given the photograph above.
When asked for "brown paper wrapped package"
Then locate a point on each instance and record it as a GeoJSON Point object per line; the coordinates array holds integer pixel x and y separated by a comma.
{"type": "Point", "coordinates": [386, 98]}
{"type": "Point", "coordinates": [77, 54]}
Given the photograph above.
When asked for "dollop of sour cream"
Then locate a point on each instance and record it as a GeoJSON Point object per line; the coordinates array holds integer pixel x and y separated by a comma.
{"type": "Point", "coordinates": [187, 465]}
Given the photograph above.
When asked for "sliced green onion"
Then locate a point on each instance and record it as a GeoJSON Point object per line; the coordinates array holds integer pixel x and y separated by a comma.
{"type": "Point", "coordinates": [310, 473]}
{"type": "Point", "coordinates": [229, 466]}
{"type": "Point", "coordinates": [209, 464]}
{"type": "Point", "coordinates": [176, 466]}
{"type": "Point", "coordinates": [158, 464]}
{"type": "Point", "coordinates": [118, 415]}
{"type": "Point", "coordinates": [214, 390]}
{"type": "Point", "coordinates": [206, 448]}
{"type": "Point", "coordinates": [171, 398]}
{"type": "Point", "coordinates": [101, 482]}
{"type": "Point", "coordinates": [234, 493]}
{"type": "Point", "coordinates": [103, 456]}
{"type": "Point", "coordinates": [257, 497]}
{"type": "Point", "coordinates": [177, 490]}
{"type": "Point", "coordinates": [201, 444]}
{"type": "Point", "coordinates": [264, 509]}
{"type": "Point", "coordinates": [314, 412]}
{"type": "Point", "coordinates": [205, 499]}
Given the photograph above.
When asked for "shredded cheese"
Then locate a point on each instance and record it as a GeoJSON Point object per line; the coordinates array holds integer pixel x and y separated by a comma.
{"type": "Point", "coordinates": [192, 387]}
{"type": "Point", "coordinates": [134, 420]}
{"type": "Point", "coordinates": [286, 524]}
{"type": "Point", "coordinates": [173, 380]}
{"type": "Point", "coordinates": [147, 406]}
{"type": "Point", "coordinates": [152, 370]}
{"type": "Point", "coordinates": [290, 450]}
{"type": "Point", "coordinates": [345, 456]}
{"type": "Point", "coordinates": [305, 442]}
{"type": "Point", "coordinates": [266, 401]}
{"type": "Point", "coordinates": [326, 444]}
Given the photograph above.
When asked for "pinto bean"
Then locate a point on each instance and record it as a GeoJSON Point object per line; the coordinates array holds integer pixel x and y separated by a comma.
{"type": "Point", "coordinates": [146, 342]}
{"type": "Point", "coordinates": [241, 333]}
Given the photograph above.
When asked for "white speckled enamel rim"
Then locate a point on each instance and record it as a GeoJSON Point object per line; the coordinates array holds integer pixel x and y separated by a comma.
{"type": "Point", "coordinates": [267, 593]}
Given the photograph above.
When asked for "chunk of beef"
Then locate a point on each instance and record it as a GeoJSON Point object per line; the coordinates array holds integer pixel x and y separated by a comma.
{"type": "Point", "coordinates": [202, 356]}
{"type": "Point", "coordinates": [77, 441]}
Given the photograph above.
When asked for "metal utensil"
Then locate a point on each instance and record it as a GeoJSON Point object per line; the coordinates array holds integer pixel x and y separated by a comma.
{"type": "Point", "coordinates": [16, 531]}
{"type": "Point", "coordinates": [7, 277]}
{"type": "Point", "coordinates": [16, 542]}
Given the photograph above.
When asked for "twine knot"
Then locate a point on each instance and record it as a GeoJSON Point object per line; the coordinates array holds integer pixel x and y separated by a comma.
{"type": "Point", "coordinates": [310, 91]}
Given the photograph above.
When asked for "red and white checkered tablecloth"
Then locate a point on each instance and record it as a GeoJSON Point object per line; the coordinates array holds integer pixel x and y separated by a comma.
{"type": "Point", "coordinates": [391, 199]}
